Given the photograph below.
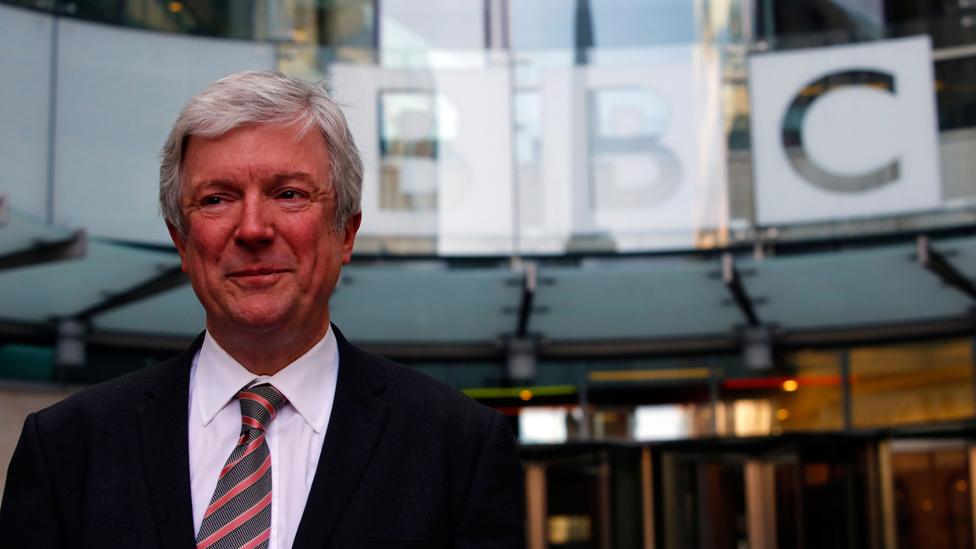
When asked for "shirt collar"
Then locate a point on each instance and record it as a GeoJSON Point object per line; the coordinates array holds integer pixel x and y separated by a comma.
{"type": "Point", "coordinates": [308, 383]}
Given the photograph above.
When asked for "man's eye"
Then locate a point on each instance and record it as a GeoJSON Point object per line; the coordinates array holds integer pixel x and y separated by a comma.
{"type": "Point", "coordinates": [289, 195]}
{"type": "Point", "coordinates": [212, 200]}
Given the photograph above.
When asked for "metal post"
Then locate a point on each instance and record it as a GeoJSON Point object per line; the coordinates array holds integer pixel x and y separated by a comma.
{"type": "Point", "coordinates": [714, 379]}
{"type": "Point", "coordinates": [52, 113]}
{"type": "Point", "coordinates": [972, 380]}
{"type": "Point", "coordinates": [971, 462]}
{"type": "Point", "coordinates": [516, 257]}
{"type": "Point", "coordinates": [606, 522]}
{"type": "Point", "coordinates": [887, 482]}
{"type": "Point", "coordinates": [647, 498]}
{"type": "Point", "coordinates": [760, 504]}
{"type": "Point", "coordinates": [584, 403]}
{"type": "Point", "coordinates": [845, 385]}
{"type": "Point", "coordinates": [535, 504]}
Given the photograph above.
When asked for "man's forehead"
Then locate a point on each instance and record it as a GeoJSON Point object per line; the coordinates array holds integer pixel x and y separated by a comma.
{"type": "Point", "coordinates": [268, 152]}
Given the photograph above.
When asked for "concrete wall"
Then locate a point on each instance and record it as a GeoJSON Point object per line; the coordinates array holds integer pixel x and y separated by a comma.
{"type": "Point", "coordinates": [16, 401]}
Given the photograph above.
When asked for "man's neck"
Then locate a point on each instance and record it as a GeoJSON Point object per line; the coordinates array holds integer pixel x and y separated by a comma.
{"type": "Point", "coordinates": [266, 353]}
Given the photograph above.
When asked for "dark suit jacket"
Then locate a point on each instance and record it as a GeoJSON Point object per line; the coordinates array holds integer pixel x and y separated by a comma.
{"type": "Point", "coordinates": [407, 462]}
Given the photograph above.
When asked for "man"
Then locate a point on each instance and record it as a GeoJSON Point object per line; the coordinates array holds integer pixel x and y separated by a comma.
{"type": "Point", "coordinates": [271, 430]}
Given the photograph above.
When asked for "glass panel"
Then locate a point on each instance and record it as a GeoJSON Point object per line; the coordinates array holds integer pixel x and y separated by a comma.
{"type": "Point", "coordinates": [647, 299]}
{"type": "Point", "coordinates": [39, 293]}
{"type": "Point", "coordinates": [348, 27]}
{"type": "Point", "coordinates": [408, 147]}
{"type": "Point", "coordinates": [806, 24]}
{"type": "Point", "coordinates": [109, 135]}
{"type": "Point", "coordinates": [817, 402]}
{"type": "Point", "coordinates": [955, 80]}
{"type": "Point", "coordinates": [821, 495]}
{"type": "Point", "coordinates": [176, 312]}
{"type": "Point", "coordinates": [578, 500]}
{"type": "Point", "coordinates": [617, 104]}
{"type": "Point", "coordinates": [806, 396]}
{"type": "Point", "coordinates": [932, 494]}
{"type": "Point", "coordinates": [414, 34]}
{"type": "Point", "coordinates": [912, 383]}
{"type": "Point", "coordinates": [705, 503]}
{"type": "Point", "coordinates": [429, 305]}
{"type": "Point", "coordinates": [881, 285]}
{"type": "Point", "coordinates": [25, 61]}
{"type": "Point", "coordinates": [948, 22]}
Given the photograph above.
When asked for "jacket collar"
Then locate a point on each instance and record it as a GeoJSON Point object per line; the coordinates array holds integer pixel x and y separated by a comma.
{"type": "Point", "coordinates": [165, 448]}
{"type": "Point", "coordinates": [357, 422]}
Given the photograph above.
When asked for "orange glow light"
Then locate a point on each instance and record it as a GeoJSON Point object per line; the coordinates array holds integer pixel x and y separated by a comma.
{"type": "Point", "coordinates": [525, 394]}
{"type": "Point", "coordinates": [790, 385]}
{"type": "Point", "coordinates": [175, 7]}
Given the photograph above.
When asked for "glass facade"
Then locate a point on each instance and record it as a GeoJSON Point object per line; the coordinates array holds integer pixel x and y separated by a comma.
{"type": "Point", "coordinates": [617, 126]}
{"type": "Point", "coordinates": [607, 155]}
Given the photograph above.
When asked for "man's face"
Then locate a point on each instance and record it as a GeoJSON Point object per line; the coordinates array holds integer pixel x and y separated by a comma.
{"type": "Point", "coordinates": [261, 248]}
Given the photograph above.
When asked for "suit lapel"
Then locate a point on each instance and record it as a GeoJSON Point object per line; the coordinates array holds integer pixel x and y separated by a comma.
{"type": "Point", "coordinates": [163, 437]}
{"type": "Point", "coordinates": [357, 421]}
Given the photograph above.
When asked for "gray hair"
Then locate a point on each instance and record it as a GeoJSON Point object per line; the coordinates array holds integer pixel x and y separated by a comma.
{"type": "Point", "coordinates": [262, 97]}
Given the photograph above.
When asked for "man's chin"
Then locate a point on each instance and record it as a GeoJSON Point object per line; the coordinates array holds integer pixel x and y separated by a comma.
{"type": "Point", "coordinates": [253, 323]}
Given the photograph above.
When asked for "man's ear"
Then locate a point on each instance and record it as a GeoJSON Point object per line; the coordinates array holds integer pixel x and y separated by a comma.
{"type": "Point", "coordinates": [179, 242]}
{"type": "Point", "coordinates": [349, 235]}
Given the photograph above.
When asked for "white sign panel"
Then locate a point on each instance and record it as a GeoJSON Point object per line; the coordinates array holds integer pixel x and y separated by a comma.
{"type": "Point", "coordinates": [844, 132]}
{"type": "Point", "coordinates": [632, 151]}
{"type": "Point", "coordinates": [436, 145]}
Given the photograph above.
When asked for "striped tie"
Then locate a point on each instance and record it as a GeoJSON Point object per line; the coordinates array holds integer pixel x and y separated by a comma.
{"type": "Point", "coordinates": [239, 514]}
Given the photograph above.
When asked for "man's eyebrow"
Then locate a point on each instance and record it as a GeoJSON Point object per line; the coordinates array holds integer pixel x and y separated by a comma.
{"type": "Point", "coordinates": [291, 176]}
{"type": "Point", "coordinates": [210, 183]}
{"type": "Point", "coordinates": [275, 178]}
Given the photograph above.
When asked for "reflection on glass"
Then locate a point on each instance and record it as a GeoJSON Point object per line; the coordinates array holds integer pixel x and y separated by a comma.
{"type": "Point", "coordinates": [804, 24]}
{"type": "Point", "coordinates": [605, 24]}
{"type": "Point", "coordinates": [542, 425]}
{"type": "Point", "coordinates": [528, 151]}
{"type": "Point", "coordinates": [816, 405]}
{"type": "Point", "coordinates": [665, 422]}
{"type": "Point", "coordinates": [567, 529]}
{"type": "Point", "coordinates": [578, 502]}
{"type": "Point", "coordinates": [932, 502]}
{"type": "Point", "coordinates": [348, 29]}
{"type": "Point", "coordinates": [629, 168]}
{"type": "Point", "coordinates": [807, 397]}
{"type": "Point", "coordinates": [409, 151]}
{"type": "Point", "coordinates": [911, 383]}
{"type": "Point", "coordinates": [612, 423]}
{"type": "Point", "coordinates": [412, 33]}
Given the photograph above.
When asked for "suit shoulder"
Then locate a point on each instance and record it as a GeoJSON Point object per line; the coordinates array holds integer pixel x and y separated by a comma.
{"type": "Point", "coordinates": [110, 397]}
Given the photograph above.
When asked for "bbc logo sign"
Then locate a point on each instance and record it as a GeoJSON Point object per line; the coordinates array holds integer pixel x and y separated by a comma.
{"type": "Point", "coordinates": [844, 132]}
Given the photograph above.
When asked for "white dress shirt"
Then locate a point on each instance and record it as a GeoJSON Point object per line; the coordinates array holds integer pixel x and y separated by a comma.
{"type": "Point", "coordinates": [295, 436]}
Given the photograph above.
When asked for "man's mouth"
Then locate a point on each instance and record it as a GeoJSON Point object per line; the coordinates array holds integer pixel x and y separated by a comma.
{"type": "Point", "coordinates": [243, 273]}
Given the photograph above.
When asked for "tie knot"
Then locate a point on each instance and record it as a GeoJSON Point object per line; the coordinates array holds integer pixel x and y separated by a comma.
{"type": "Point", "coordinates": [259, 405]}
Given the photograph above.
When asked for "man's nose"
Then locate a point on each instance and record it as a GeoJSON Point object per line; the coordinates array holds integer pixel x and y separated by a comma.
{"type": "Point", "coordinates": [256, 223]}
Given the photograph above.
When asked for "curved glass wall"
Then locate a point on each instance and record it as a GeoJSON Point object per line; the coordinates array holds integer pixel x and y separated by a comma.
{"type": "Point", "coordinates": [497, 128]}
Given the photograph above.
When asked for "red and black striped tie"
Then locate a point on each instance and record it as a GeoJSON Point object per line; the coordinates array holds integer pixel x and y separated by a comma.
{"type": "Point", "coordinates": [239, 514]}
